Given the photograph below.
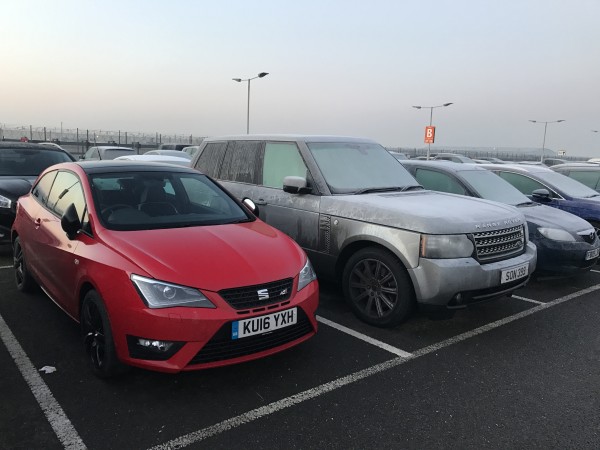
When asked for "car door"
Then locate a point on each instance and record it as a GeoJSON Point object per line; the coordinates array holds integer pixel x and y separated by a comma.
{"type": "Point", "coordinates": [297, 215]}
{"type": "Point", "coordinates": [31, 219]}
{"type": "Point", "coordinates": [54, 247]}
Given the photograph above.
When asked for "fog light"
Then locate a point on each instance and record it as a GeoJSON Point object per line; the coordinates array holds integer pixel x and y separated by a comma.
{"type": "Point", "coordinates": [161, 346]}
{"type": "Point", "coordinates": [152, 349]}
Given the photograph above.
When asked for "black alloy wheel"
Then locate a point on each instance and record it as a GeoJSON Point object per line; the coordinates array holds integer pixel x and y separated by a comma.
{"type": "Point", "coordinates": [23, 279]}
{"type": "Point", "coordinates": [97, 337]}
{"type": "Point", "coordinates": [378, 287]}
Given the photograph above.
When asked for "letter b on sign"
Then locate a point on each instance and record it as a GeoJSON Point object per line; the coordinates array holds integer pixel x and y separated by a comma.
{"type": "Point", "coordinates": [429, 135]}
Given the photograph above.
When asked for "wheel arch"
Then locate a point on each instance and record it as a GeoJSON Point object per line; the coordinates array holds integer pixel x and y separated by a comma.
{"type": "Point", "coordinates": [358, 244]}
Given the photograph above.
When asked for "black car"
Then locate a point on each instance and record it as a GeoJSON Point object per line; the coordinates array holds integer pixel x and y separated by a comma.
{"type": "Point", "coordinates": [20, 165]}
{"type": "Point", "coordinates": [566, 244]}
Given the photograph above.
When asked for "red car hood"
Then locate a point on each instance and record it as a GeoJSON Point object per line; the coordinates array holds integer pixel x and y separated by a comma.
{"type": "Point", "coordinates": [211, 257]}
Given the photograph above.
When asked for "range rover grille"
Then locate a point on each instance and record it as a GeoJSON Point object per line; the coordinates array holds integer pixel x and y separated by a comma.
{"type": "Point", "coordinates": [258, 295]}
{"type": "Point", "coordinates": [499, 244]}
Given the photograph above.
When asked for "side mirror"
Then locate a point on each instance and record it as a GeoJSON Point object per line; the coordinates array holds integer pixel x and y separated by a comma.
{"type": "Point", "coordinates": [70, 222]}
{"type": "Point", "coordinates": [250, 205]}
{"type": "Point", "coordinates": [295, 185]}
{"type": "Point", "coordinates": [541, 195]}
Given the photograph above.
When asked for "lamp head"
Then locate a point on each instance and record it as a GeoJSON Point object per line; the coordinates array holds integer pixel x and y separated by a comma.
{"type": "Point", "coordinates": [239, 80]}
{"type": "Point", "coordinates": [263, 74]}
{"type": "Point", "coordinates": [448, 104]}
{"type": "Point", "coordinates": [418, 107]}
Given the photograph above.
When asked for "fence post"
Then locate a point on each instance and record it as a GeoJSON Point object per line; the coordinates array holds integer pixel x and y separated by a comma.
{"type": "Point", "coordinates": [30, 133]}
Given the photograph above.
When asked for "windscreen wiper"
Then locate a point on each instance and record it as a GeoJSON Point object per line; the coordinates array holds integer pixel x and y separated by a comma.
{"type": "Point", "coordinates": [381, 189]}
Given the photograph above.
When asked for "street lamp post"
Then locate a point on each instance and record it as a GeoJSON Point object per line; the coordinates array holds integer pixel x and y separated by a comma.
{"type": "Point", "coordinates": [545, 127]}
{"type": "Point", "coordinates": [431, 119]}
{"type": "Point", "coordinates": [239, 80]}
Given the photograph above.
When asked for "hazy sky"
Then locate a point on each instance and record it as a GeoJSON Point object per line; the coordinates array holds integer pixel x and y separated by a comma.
{"type": "Point", "coordinates": [335, 67]}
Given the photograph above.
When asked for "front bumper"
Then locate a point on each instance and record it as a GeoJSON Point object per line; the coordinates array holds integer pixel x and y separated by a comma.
{"type": "Point", "coordinates": [564, 258]}
{"type": "Point", "coordinates": [202, 336]}
{"type": "Point", "coordinates": [454, 283]}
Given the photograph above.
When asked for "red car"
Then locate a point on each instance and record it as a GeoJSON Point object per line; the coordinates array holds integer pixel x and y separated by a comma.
{"type": "Point", "coordinates": [162, 268]}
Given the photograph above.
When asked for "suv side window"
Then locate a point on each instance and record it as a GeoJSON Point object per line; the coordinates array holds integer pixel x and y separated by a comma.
{"type": "Point", "coordinates": [282, 159]}
{"type": "Point", "coordinates": [437, 181]}
{"type": "Point", "coordinates": [241, 161]}
{"type": "Point", "coordinates": [210, 160]}
{"type": "Point", "coordinates": [42, 188]}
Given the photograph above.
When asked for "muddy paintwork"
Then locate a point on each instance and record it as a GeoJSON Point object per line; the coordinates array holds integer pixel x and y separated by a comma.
{"type": "Point", "coordinates": [328, 225]}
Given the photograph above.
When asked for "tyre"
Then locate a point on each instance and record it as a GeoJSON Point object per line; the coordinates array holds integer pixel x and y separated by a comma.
{"type": "Point", "coordinates": [98, 339]}
{"type": "Point", "coordinates": [23, 279]}
{"type": "Point", "coordinates": [377, 287]}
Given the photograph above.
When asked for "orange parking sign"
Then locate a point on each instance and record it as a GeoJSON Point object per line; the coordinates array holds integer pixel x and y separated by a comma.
{"type": "Point", "coordinates": [429, 135]}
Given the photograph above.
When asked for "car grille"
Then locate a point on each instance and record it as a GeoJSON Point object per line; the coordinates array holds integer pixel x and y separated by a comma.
{"type": "Point", "coordinates": [259, 295]}
{"type": "Point", "coordinates": [499, 244]}
{"type": "Point", "coordinates": [221, 347]}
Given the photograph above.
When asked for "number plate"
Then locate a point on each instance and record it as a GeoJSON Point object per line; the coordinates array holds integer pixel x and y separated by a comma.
{"type": "Point", "coordinates": [591, 254]}
{"type": "Point", "coordinates": [264, 324]}
{"type": "Point", "coordinates": [515, 273]}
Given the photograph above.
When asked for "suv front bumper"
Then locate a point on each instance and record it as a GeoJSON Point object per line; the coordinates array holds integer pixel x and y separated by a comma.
{"type": "Point", "coordinates": [454, 283]}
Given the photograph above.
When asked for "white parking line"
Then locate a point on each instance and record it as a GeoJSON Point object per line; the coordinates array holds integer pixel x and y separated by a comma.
{"type": "Point", "coordinates": [279, 405]}
{"type": "Point", "coordinates": [57, 418]}
{"type": "Point", "coordinates": [528, 300]}
{"type": "Point", "coordinates": [596, 271]}
{"type": "Point", "coordinates": [6, 267]}
{"type": "Point", "coordinates": [362, 337]}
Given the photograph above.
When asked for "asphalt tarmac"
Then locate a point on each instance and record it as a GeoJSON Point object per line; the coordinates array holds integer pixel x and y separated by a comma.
{"type": "Point", "coordinates": [519, 372]}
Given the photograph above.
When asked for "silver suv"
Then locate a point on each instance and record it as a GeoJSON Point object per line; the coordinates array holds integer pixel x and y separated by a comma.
{"type": "Point", "coordinates": [365, 221]}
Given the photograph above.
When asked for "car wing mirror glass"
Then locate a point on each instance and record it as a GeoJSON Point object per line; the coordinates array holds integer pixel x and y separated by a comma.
{"type": "Point", "coordinates": [70, 222]}
{"type": "Point", "coordinates": [295, 185]}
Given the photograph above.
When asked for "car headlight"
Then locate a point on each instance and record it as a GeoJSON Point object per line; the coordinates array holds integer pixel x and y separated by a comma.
{"type": "Point", "coordinates": [307, 275]}
{"type": "Point", "coordinates": [158, 294]}
{"type": "Point", "coordinates": [5, 202]}
{"type": "Point", "coordinates": [556, 234]}
{"type": "Point", "coordinates": [446, 246]}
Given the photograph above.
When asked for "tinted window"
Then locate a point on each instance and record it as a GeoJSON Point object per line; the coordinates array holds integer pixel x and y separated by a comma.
{"type": "Point", "coordinates": [29, 161]}
{"type": "Point", "coordinates": [241, 161]}
{"type": "Point", "coordinates": [65, 191]}
{"type": "Point", "coordinates": [42, 188]}
{"type": "Point", "coordinates": [590, 179]}
{"type": "Point", "coordinates": [524, 184]}
{"type": "Point", "coordinates": [210, 160]}
{"type": "Point", "coordinates": [437, 181]}
{"type": "Point", "coordinates": [282, 159]}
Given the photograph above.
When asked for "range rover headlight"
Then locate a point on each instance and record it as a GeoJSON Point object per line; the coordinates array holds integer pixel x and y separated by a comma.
{"type": "Point", "coordinates": [442, 246]}
{"type": "Point", "coordinates": [5, 202]}
{"type": "Point", "coordinates": [556, 234]}
{"type": "Point", "coordinates": [307, 275]}
{"type": "Point", "coordinates": [158, 294]}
